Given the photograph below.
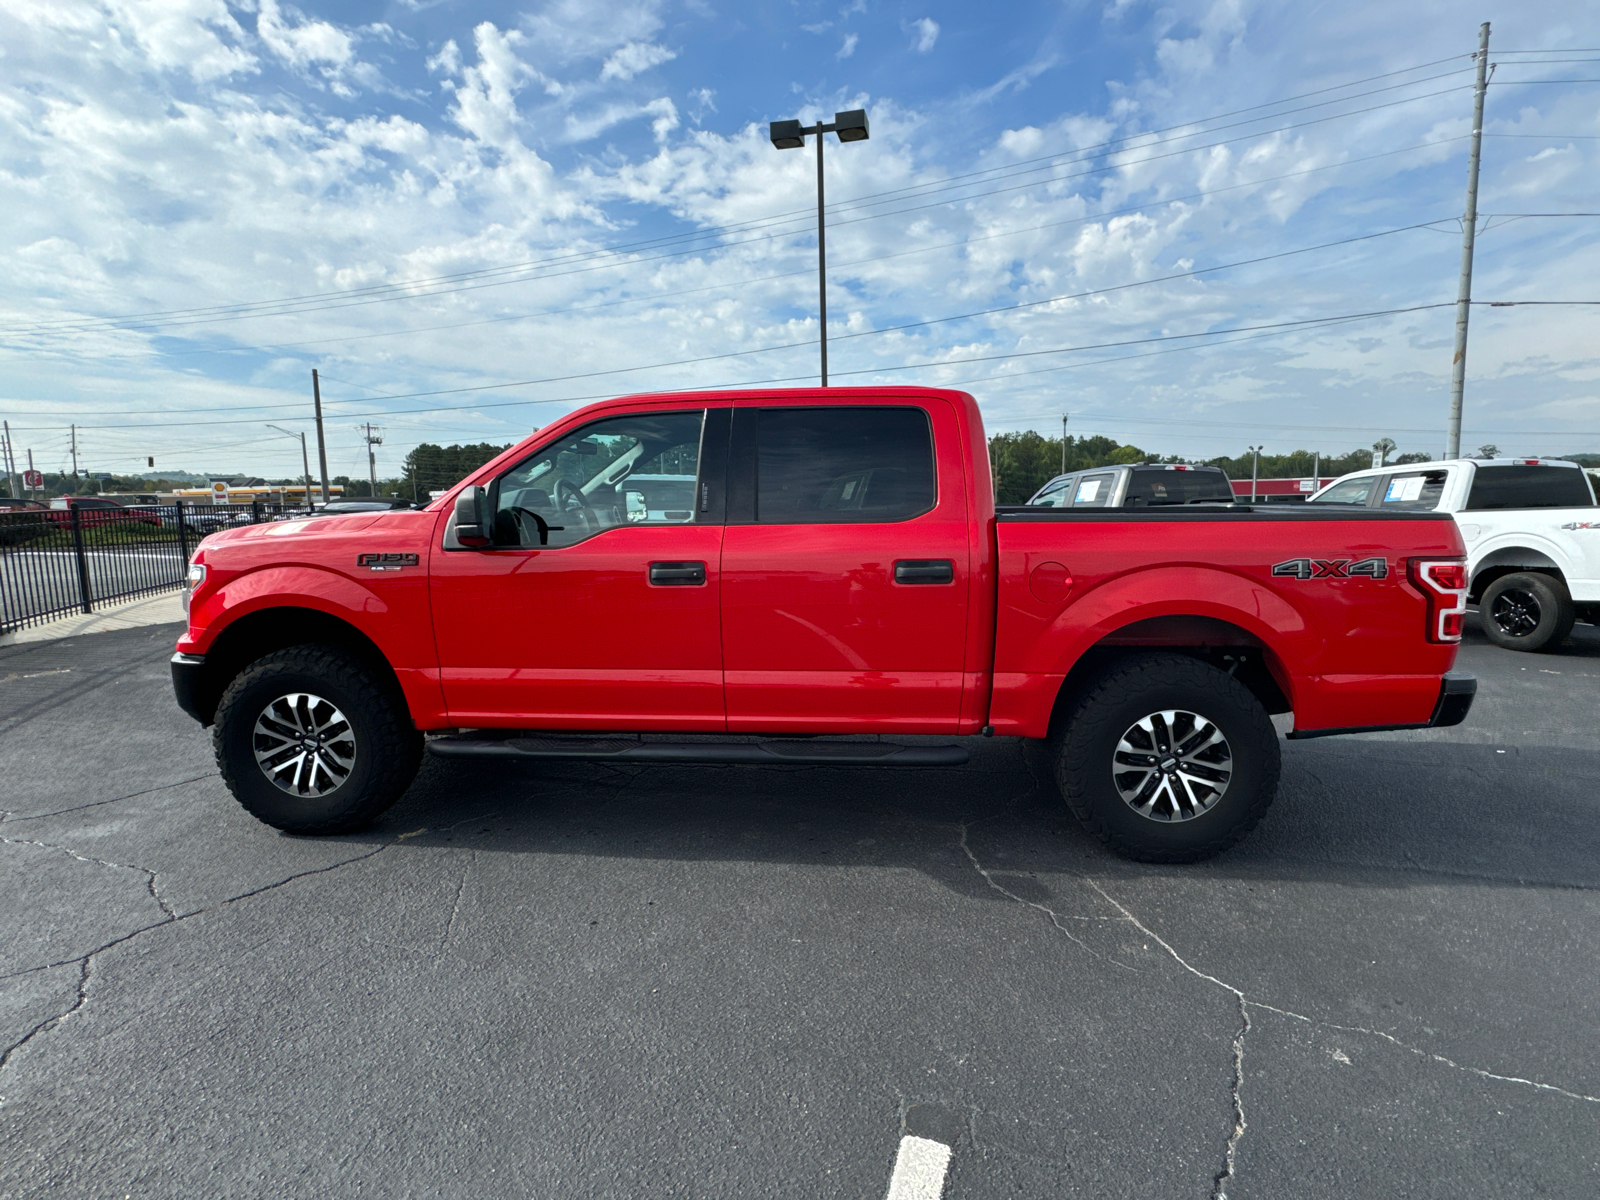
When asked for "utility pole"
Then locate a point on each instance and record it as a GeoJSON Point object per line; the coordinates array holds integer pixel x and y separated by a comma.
{"type": "Point", "coordinates": [374, 437]}
{"type": "Point", "coordinates": [1469, 231]}
{"type": "Point", "coordinates": [30, 463]}
{"type": "Point", "coordinates": [1316, 470]}
{"type": "Point", "coordinates": [11, 466]}
{"type": "Point", "coordinates": [1063, 443]}
{"type": "Point", "coordinates": [74, 451]}
{"type": "Point", "coordinates": [1255, 470]}
{"type": "Point", "coordinates": [322, 446]}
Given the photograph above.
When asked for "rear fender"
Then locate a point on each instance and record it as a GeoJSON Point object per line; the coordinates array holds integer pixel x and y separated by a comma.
{"type": "Point", "coordinates": [1166, 600]}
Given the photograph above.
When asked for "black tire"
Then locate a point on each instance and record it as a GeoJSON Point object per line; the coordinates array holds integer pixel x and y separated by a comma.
{"type": "Point", "coordinates": [373, 731]}
{"type": "Point", "coordinates": [1526, 611]}
{"type": "Point", "coordinates": [1207, 819]}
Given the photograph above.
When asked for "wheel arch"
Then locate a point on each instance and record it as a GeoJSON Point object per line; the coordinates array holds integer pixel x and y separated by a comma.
{"type": "Point", "coordinates": [1222, 644]}
{"type": "Point", "coordinates": [1510, 560]}
{"type": "Point", "coordinates": [265, 630]}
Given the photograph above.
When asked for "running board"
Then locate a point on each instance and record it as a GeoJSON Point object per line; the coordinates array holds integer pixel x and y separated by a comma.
{"type": "Point", "coordinates": [804, 753]}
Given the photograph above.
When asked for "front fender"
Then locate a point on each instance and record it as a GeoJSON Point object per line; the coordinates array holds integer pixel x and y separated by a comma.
{"type": "Point", "coordinates": [299, 586]}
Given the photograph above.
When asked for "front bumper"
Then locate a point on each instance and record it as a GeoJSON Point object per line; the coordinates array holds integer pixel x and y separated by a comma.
{"type": "Point", "coordinates": [1456, 691]}
{"type": "Point", "coordinates": [187, 673]}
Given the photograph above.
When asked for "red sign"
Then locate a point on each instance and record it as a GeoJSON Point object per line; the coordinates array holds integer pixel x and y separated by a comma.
{"type": "Point", "coordinates": [33, 479]}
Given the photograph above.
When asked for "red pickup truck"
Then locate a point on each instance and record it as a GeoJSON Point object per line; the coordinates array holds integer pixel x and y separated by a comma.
{"type": "Point", "coordinates": [782, 568]}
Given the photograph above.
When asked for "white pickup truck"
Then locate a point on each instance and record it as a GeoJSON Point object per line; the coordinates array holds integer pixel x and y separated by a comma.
{"type": "Point", "coordinates": [1532, 532]}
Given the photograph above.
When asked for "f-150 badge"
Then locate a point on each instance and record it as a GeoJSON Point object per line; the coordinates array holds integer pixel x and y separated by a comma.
{"type": "Point", "coordinates": [1332, 568]}
{"type": "Point", "coordinates": [386, 562]}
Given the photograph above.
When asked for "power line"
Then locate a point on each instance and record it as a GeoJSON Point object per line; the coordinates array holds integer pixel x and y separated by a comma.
{"type": "Point", "coordinates": [1286, 326]}
{"type": "Point", "coordinates": [807, 271]}
{"type": "Point", "coordinates": [864, 333]}
{"type": "Point", "coordinates": [280, 308]}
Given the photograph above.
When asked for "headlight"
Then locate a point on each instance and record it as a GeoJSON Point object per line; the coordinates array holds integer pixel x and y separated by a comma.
{"type": "Point", "coordinates": [195, 577]}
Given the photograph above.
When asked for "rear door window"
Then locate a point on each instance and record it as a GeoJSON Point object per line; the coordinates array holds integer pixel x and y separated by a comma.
{"type": "Point", "coordinates": [1529, 487]}
{"type": "Point", "coordinates": [1094, 491]}
{"type": "Point", "coordinates": [1417, 492]}
{"type": "Point", "coordinates": [835, 466]}
{"type": "Point", "coordinates": [1356, 491]}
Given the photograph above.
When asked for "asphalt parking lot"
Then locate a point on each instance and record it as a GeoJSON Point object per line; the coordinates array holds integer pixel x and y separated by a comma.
{"type": "Point", "coordinates": [584, 981]}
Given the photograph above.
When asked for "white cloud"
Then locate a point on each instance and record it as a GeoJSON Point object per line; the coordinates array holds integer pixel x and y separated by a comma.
{"type": "Point", "coordinates": [634, 57]}
{"type": "Point", "coordinates": [849, 47]}
{"type": "Point", "coordinates": [200, 36]}
{"type": "Point", "coordinates": [927, 33]}
{"type": "Point", "coordinates": [305, 43]}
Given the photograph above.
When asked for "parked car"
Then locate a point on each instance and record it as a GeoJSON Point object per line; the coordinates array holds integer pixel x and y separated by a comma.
{"type": "Point", "coordinates": [97, 510]}
{"type": "Point", "coordinates": [22, 520]}
{"type": "Point", "coordinates": [845, 572]}
{"type": "Point", "coordinates": [1530, 526]}
{"type": "Point", "coordinates": [334, 508]}
{"type": "Point", "coordinates": [1139, 485]}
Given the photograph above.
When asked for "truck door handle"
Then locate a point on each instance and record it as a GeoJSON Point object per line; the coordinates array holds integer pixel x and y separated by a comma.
{"type": "Point", "coordinates": [925, 570]}
{"type": "Point", "coordinates": [678, 574]}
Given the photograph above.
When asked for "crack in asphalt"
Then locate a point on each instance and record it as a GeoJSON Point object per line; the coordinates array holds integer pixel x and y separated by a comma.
{"type": "Point", "coordinates": [61, 812]}
{"type": "Point", "coordinates": [1055, 917]}
{"type": "Point", "coordinates": [86, 961]}
{"type": "Point", "coordinates": [455, 908]}
{"type": "Point", "coordinates": [150, 876]}
{"type": "Point", "coordinates": [1227, 1171]}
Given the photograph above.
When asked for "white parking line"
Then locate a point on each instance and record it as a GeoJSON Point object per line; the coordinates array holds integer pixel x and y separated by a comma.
{"type": "Point", "coordinates": [919, 1169]}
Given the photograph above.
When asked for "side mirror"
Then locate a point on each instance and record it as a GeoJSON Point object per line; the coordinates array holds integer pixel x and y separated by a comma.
{"type": "Point", "coordinates": [474, 527]}
{"type": "Point", "coordinates": [634, 504]}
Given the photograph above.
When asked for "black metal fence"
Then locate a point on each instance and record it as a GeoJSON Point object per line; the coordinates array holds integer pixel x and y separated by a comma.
{"type": "Point", "coordinates": [60, 562]}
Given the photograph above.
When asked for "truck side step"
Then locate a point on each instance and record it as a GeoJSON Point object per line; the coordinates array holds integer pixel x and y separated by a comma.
{"type": "Point", "coordinates": [623, 749]}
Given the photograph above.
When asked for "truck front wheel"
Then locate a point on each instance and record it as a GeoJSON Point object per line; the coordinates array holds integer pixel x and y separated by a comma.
{"type": "Point", "coordinates": [1526, 611]}
{"type": "Point", "coordinates": [1167, 759]}
{"type": "Point", "coordinates": [310, 741]}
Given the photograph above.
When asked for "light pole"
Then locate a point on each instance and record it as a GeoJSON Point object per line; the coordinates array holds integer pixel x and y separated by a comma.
{"type": "Point", "coordinates": [791, 135]}
{"type": "Point", "coordinates": [305, 460]}
{"type": "Point", "coordinates": [1063, 443]}
{"type": "Point", "coordinates": [1255, 470]}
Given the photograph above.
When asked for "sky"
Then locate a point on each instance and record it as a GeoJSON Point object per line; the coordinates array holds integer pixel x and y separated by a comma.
{"type": "Point", "coordinates": [1193, 226]}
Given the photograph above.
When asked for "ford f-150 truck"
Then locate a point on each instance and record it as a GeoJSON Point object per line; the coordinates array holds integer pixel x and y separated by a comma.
{"type": "Point", "coordinates": [1531, 530]}
{"type": "Point", "coordinates": [836, 567]}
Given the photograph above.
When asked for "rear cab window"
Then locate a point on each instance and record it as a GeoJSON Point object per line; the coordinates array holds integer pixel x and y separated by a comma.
{"type": "Point", "coordinates": [1157, 485]}
{"type": "Point", "coordinates": [1528, 486]}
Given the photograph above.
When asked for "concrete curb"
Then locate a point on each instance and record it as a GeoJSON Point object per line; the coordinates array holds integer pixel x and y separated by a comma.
{"type": "Point", "coordinates": [149, 610]}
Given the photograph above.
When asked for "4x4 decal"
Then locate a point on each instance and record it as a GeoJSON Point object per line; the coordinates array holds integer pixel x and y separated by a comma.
{"type": "Point", "coordinates": [1332, 568]}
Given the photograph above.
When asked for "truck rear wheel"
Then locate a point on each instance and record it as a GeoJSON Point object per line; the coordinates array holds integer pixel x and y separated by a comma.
{"type": "Point", "coordinates": [311, 742]}
{"type": "Point", "coordinates": [1526, 611]}
{"type": "Point", "coordinates": [1167, 759]}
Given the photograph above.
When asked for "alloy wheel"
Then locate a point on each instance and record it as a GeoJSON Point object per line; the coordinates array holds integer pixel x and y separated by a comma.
{"type": "Point", "coordinates": [304, 744]}
{"type": "Point", "coordinates": [1517, 612]}
{"type": "Point", "coordinates": [1172, 765]}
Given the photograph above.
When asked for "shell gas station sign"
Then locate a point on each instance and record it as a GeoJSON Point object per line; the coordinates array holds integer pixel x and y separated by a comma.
{"type": "Point", "coordinates": [219, 493]}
